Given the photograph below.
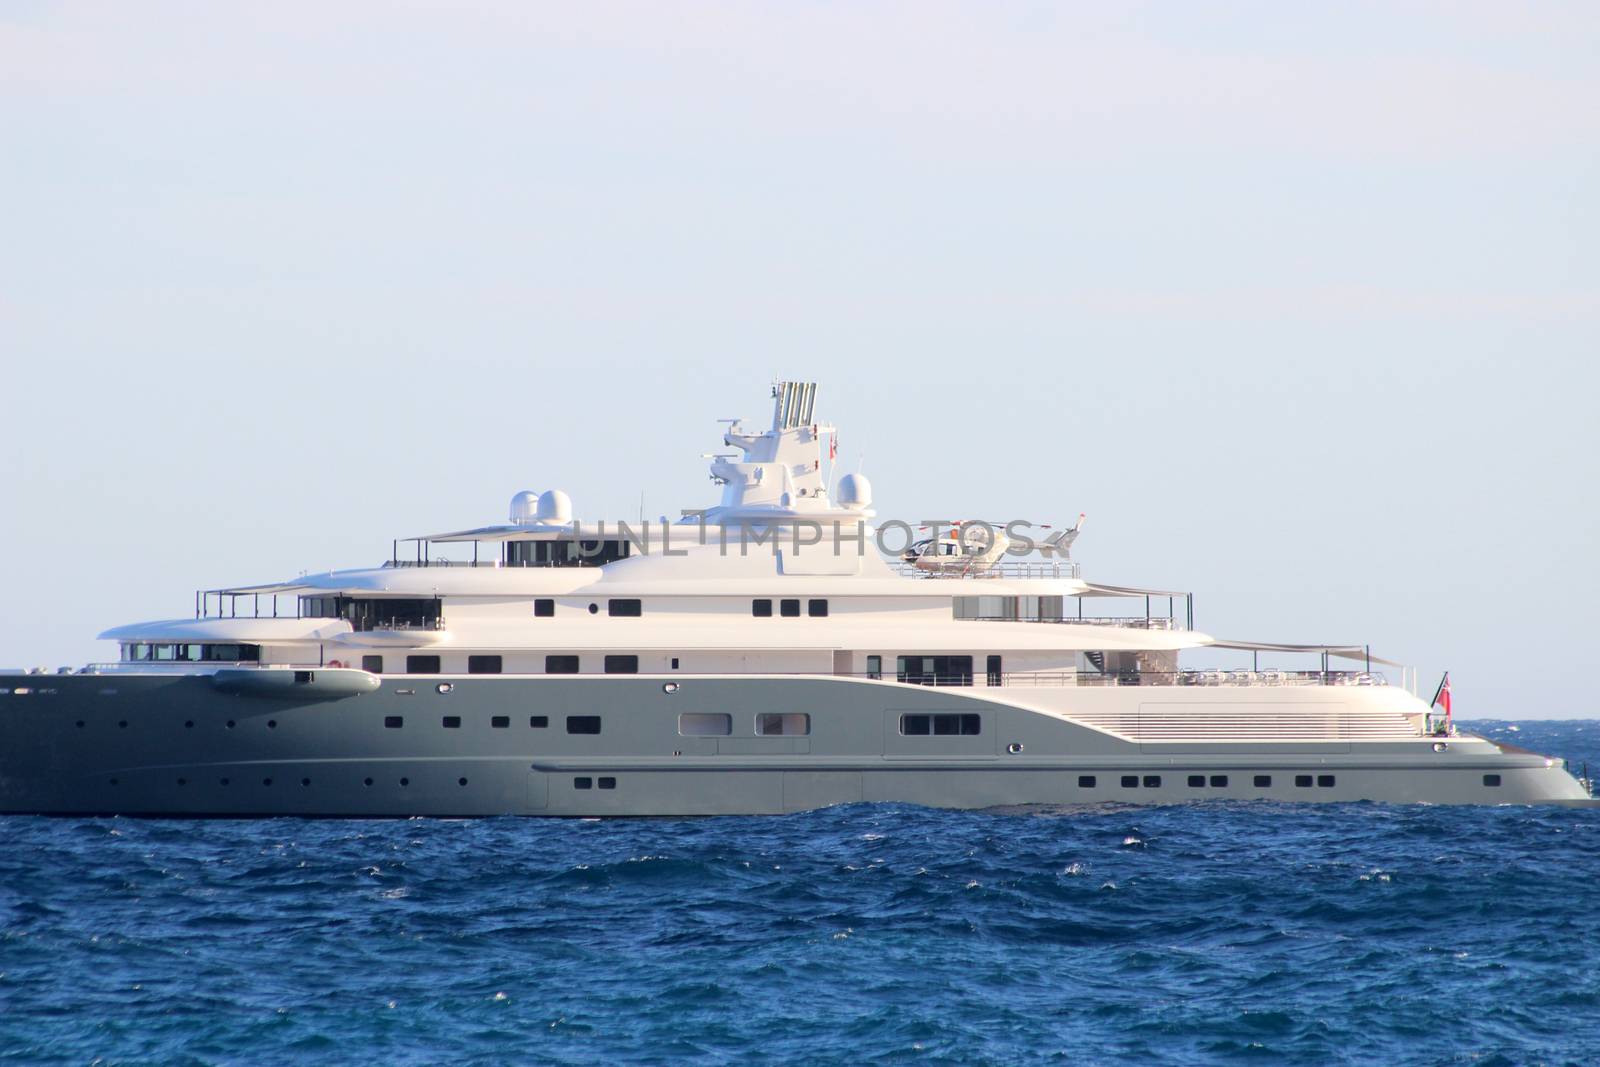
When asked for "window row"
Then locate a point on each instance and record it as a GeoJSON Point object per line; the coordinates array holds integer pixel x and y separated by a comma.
{"type": "Point", "coordinates": [565, 664]}
{"type": "Point", "coordinates": [789, 609]}
{"type": "Point", "coordinates": [140, 652]}
{"type": "Point", "coordinates": [589, 783]}
{"type": "Point", "coordinates": [767, 724]}
{"type": "Point", "coordinates": [576, 724]}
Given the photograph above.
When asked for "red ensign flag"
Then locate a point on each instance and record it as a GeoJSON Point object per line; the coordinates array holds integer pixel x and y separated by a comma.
{"type": "Point", "coordinates": [1441, 699]}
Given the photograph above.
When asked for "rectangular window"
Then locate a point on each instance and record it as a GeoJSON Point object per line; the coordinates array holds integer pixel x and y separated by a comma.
{"type": "Point", "coordinates": [608, 783]}
{"type": "Point", "coordinates": [874, 667]}
{"type": "Point", "coordinates": [583, 783]}
{"type": "Point", "coordinates": [1491, 779]}
{"type": "Point", "coordinates": [622, 664]}
{"type": "Point", "coordinates": [934, 670]}
{"type": "Point", "coordinates": [1325, 781]}
{"type": "Point", "coordinates": [1219, 781]}
{"type": "Point", "coordinates": [544, 609]}
{"type": "Point", "coordinates": [1302, 781]}
{"type": "Point", "coordinates": [1130, 781]}
{"type": "Point", "coordinates": [1197, 781]}
{"type": "Point", "coordinates": [483, 664]}
{"type": "Point", "coordinates": [674, 662]}
{"type": "Point", "coordinates": [422, 664]}
{"type": "Point", "coordinates": [993, 675]}
{"type": "Point", "coordinates": [500, 722]}
{"type": "Point", "coordinates": [1085, 781]}
{"type": "Point", "coordinates": [393, 722]}
{"type": "Point", "coordinates": [784, 724]}
{"type": "Point", "coordinates": [561, 665]}
{"type": "Point", "coordinates": [789, 609]}
{"type": "Point", "coordinates": [761, 609]}
{"type": "Point", "coordinates": [166, 652]}
{"type": "Point", "coordinates": [452, 722]}
{"type": "Point", "coordinates": [538, 722]}
{"type": "Point", "coordinates": [372, 664]}
{"type": "Point", "coordinates": [705, 724]}
{"type": "Point", "coordinates": [947, 724]}
{"type": "Point", "coordinates": [624, 609]}
{"type": "Point", "coordinates": [1263, 781]}
{"type": "Point", "coordinates": [1152, 781]}
{"type": "Point", "coordinates": [583, 724]}
{"type": "Point", "coordinates": [817, 609]}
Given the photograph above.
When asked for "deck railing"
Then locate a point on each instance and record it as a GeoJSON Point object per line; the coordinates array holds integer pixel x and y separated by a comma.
{"type": "Point", "coordinates": [970, 567]}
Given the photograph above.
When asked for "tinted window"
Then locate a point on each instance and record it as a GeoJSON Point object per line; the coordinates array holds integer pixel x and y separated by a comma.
{"type": "Point", "coordinates": [622, 664]}
{"type": "Point", "coordinates": [1085, 781]}
{"type": "Point", "coordinates": [1130, 781]}
{"type": "Point", "coordinates": [789, 609]}
{"type": "Point", "coordinates": [538, 722]}
{"type": "Point", "coordinates": [874, 666]}
{"type": "Point", "coordinates": [500, 722]}
{"type": "Point", "coordinates": [561, 665]}
{"type": "Point", "coordinates": [1263, 781]}
{"type": "Point", "coordinates": [583, 783]}
{"type": "Point", "coordinates": [583, 724]}
{"type": "Point", "coordinates": [1152, 781]}
{"type": "Point", "coordinates": [1303, 781]}
{"type": "Point", "coordinates": [761, 609]}
{"type": "Point", "coordinates": [372, 663]}
{"type": "Point", "coordinates": [947, 724]}
{"type": "Point", "coordinates": [785, 724]}
{"type": "Point", "coordinates": [624, 609]}
{"type": "Point", "coordinates": [1325, 781]}
{"type": "Point", "coordinates": [934, 670]}
{"type": "Point", "coordinates": [1197, 781]}
{"type": "Point", "coordinates": [422, 664]}
{"type": "Point", "coordinates": [1219, 781]}
{"type": "Point", "coordinates": [393, 722]}
{"type": "Point", "coordinates": [608, 783]}
{"type": "Point", "coordinates": [544, 609]}
{"type": "Point", "coordinates": [483, 664]}
{"type": "Point", "coordinates": [452, 722]}
{"type": "Point", "coordinates": [1491, 779]}
{"type": "Point", "coordinates": [817, 609]}
{"type": "Point", "coordinates": [705, 724]}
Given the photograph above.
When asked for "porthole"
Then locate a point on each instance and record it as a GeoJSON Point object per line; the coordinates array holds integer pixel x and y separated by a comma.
{"type": "Point", "coordinates": [1152, 781]}
{"type": "Point", "coordinates": [272, 724]}
{"type": "Point", "coordinates": [461, 781]}
{"type": "Point", "coordinates": [1439, 746]}
{"type": "Point", "coordinates": [113, 781]}
{"type": "Point", "coordinates": [80, 724]}
{"type": "Point", "coordinates": [669, 687]}
{"type": "Point", "coordinates": [444, 687]}
{"type": "Point", "coordinates": [1130, 781]}
{"type": "Point", "coordinates": [224, 781]}
{"type": "Point", "coordinates": [1197, 781]}
{"type": "Point", "coordinates": [305, 781]}
{"type": "Point", "coordinates": [266, 781]}
{"type": "Point", "coordinates": [231, 724]}
{"type": "Point", "coordinates": [594, 609]}
{"type": "Point", "coordinates": [183, 781]}
{"type": "Point", "coordinates": [1491, 780]}
{"type": "Point", "coordinates": [187, 726]}
{"type": "Point", "coordinates": [366, 781]}
{"type": "Point", "coordinates": [1015, 748]}
{"type": "Point", "coordinates": [123, 724]}
{"type": "Point", "coordinates": [405, 781]}
{"type": "Point", "coordinates": [1085, 781]}
{"type": "Point", "coordinates": [608, 783]}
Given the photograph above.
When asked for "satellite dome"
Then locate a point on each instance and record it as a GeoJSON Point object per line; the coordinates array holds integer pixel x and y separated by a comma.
{"type": "Point", "coordinates": [554, 506]}
{"type": "Point", "coordinates": [523, 507]}
{"type": "Point", "coordinates": [855, 491]}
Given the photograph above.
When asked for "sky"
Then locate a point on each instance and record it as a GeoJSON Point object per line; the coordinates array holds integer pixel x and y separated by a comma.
{"type": "Point", "coordinates": [1299, 303]}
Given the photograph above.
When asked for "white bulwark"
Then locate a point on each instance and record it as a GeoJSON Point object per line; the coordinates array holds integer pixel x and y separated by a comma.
{"type": "Point", "coordinates": [781, 649]}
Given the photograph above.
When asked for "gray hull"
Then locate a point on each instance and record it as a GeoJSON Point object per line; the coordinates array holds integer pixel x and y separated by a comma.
{"type": "Point", "coordinates": [194, 745]}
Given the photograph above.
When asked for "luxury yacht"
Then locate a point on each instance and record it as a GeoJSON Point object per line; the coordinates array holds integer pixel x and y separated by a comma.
{"type": "Point", "coordinates": [779, 651]}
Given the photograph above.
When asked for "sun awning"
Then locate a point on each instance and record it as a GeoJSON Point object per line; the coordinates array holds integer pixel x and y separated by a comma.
{"type": "Point", "coordinates": [1095, 589]}
{"type": "Point", "coordinates": [1360, 652]}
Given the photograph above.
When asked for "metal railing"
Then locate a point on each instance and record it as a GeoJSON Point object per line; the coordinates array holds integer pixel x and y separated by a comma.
{"type": "Point", "coordinates": [971, 567]}
{"type": "Point", "coordinates": [1136, 622]}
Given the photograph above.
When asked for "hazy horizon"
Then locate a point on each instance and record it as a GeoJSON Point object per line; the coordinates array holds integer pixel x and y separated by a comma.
{"type": "Point", "coordinates": [1300, 306]}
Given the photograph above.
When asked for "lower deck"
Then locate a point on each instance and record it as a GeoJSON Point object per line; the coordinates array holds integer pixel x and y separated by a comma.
{"type": "Point", "coordinates": [678, 745]}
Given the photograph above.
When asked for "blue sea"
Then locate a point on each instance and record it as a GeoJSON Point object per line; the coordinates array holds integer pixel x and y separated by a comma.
{"type": "Point", "coordinates": [1201, 933]}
